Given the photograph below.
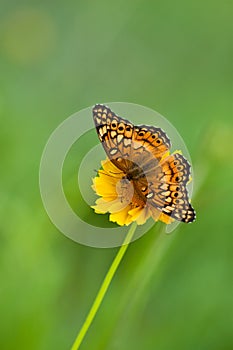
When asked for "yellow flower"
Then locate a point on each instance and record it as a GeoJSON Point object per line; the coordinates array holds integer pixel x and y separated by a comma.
{"type": "Point", "coordinates": [119, 199]}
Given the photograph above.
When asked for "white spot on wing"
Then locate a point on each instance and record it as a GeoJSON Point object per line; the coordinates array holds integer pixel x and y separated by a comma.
{"type": "Point", "coordinates": [119, 138]}
{"type": "Point", "coordinates": [127, 142]}
{"type": "Point", "coordinates": [113, 134]}
{"type": "Point", "coordinates": [113, 151]}
{"type": "Point", "coordinates": [104, 129]}
{"type": "Point", "coordinates": [136, 145]}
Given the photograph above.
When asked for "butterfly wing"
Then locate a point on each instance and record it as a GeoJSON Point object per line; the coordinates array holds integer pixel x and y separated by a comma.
{"type": "Point", "coordinates": [125, 143]}
{"type": "Point", "coordinates": [160, 182]}
{"type": "Point", "coordinates": [152, 139]}
{"type": "Point", "coordinates": [167, 188]}
{"type": "Point", "coordinates": [115, 133]}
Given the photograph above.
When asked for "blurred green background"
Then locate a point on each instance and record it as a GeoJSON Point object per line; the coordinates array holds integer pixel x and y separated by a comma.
{"type": "Point", "coordinates": [173, 292]}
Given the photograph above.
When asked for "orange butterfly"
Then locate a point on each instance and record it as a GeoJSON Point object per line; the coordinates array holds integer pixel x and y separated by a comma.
{"type": "Point", "coordinates": [141, 153]}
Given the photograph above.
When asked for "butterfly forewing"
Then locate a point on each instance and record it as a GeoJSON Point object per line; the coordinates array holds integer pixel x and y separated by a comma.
{"type": "Point", "coordinates": [115, 133]}
{"type": "Point", "coordinates": [152, 139]}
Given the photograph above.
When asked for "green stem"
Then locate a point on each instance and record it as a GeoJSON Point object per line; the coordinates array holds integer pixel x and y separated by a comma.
{"type": "Point", "coordinates": [103, 289]}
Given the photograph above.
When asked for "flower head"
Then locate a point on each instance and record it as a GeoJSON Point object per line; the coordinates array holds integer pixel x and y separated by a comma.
{"type": "Point", "coordinates": [119, 198]}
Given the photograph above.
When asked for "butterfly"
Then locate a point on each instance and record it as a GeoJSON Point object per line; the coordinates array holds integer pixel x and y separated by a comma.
{"type": "Point", "coordinates": [141, 153]}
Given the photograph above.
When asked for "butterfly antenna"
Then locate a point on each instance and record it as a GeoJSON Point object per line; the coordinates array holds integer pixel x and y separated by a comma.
{"type": "Point", "coordinates": [102, 172]}
{"type": "Point", "coordinates": [116, 173]}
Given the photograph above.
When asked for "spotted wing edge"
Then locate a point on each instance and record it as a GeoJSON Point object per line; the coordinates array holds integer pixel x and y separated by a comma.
{"type": "Point", "coordinates": [174, 209]}
{"type": "Point", "coordinates": [101, 113]}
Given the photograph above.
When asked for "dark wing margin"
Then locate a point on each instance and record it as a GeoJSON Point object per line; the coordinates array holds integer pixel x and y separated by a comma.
{"type": "Point", "coordinates": [168, 191]}
{"type": "Point", "coordinates": [115, 133]}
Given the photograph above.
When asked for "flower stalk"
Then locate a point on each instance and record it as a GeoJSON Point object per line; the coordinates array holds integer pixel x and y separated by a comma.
{"type": "Point", "coordinates": [104, 287]}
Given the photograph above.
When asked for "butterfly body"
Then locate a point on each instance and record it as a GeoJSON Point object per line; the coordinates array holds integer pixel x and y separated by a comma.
{"type": "Point", "coordinates": [139, 152]}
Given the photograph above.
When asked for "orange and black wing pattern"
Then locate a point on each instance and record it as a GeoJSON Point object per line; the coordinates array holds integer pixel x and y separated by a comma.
{"type": "Point", "coordinates": [168, 191]}
{"type": "Point", "coordinates": [140, 152]}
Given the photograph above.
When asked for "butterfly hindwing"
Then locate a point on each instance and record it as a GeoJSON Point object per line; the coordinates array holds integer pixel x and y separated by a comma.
{"type": "Point", "coordinates": [169, 192]}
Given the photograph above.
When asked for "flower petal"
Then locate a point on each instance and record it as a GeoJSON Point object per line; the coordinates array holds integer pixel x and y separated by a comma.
{"type": "Point", "coordinates": [105, 188]}
{"type": "Point", "coordinates": [155, 213]}
{"type": "Point", "coordinates": [101, 206]}
{"type": "Point", "coordinates": [140, 214]}
{"type": "Point", "coordinates": [116, 206]}
{"type": "Point", "coordinates": [121, 217]}
{"type": "Point", "coordinates": [111, 169]}
{"type": "Point", "coordinates": [166, 219]}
